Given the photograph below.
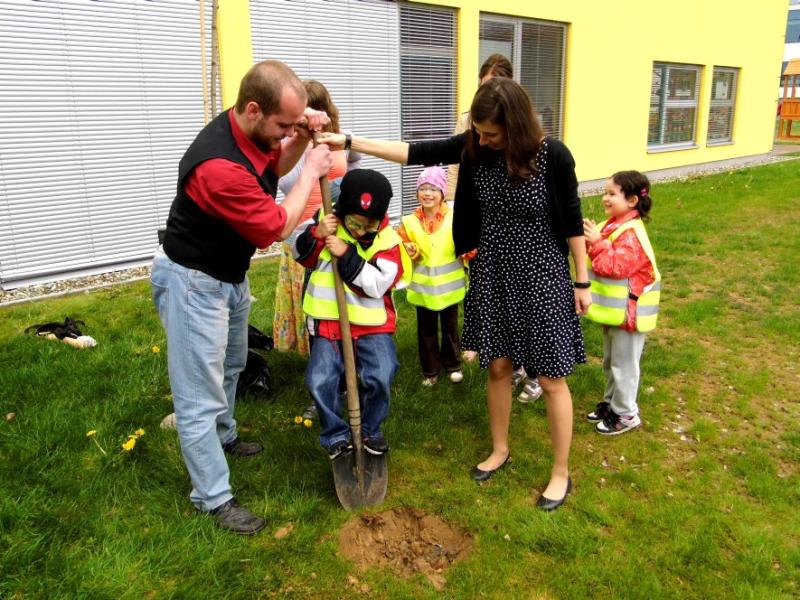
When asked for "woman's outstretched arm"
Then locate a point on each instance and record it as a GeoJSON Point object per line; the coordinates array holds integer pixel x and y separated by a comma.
{"type": "Point", "coordinates": [385, 149]}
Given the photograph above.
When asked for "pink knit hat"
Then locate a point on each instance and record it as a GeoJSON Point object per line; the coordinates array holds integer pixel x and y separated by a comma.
{"type": "Point", "coordinates": [435, 176]}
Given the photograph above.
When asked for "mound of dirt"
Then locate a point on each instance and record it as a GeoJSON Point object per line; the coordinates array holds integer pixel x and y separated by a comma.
{"type": "Point", "coordinates": [407, 541]}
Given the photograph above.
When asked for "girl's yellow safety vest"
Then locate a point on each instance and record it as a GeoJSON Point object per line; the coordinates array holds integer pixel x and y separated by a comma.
{"type": "Point", "coordinates": [610, 296]}
{"type": "Point", "coordinates": [439, 279]}
{"type": "Point", "coordinates": [319, 301]}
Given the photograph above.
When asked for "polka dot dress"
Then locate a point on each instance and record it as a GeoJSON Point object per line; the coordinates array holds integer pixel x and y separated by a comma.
{"type": "Point", "coordinates": [520, 303]}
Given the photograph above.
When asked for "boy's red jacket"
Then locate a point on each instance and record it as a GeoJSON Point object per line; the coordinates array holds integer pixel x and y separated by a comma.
{"type": "Point", "coordinates": [374, 278]}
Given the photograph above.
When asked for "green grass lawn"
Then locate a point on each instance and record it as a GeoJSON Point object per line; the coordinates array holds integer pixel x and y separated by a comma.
{"type": "Point", "coordinates": [702, 502]}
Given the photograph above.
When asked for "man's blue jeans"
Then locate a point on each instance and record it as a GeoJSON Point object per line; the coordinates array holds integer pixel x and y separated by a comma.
{"type": "Point", "coordinates": [376, 364]}
{"type": "Point", "coordinates": [206, 324]}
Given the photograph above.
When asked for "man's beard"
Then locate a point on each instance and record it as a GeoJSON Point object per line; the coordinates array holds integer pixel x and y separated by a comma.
{"type": "Point", "coordinates": [265, 144]}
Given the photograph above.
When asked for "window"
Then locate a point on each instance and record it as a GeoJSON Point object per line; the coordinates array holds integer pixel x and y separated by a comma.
{"type": "Point", "coordinates": [359, 65]}
{"type": "Point", "coordinates": [536, 49]}
{"type": "Point", "coordinates": [673, 105]}
{"type": "Point", "coordinates": [427, 81]}
{"type": "Point", "coordinates": [793, 27]}
{"type": "Point", "coordinates": [723, 99]}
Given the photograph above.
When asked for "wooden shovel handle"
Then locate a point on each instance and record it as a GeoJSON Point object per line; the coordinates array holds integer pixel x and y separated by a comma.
{"type": "Point", "coordinates": [353, 404]}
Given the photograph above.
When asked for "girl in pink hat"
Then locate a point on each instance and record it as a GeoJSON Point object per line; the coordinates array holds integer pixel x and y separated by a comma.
{"type": "Point", "coordinates": [438, 284]}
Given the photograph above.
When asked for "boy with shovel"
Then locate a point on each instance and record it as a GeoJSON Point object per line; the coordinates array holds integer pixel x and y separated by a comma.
{"type": "Point", "coordinates": [371, 261]}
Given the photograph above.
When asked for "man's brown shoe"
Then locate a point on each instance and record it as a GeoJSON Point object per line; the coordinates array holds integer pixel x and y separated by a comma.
{"type": "Point", "coordinates": [236, 518]}
{"type": "Point", "coordinates": [237, 447]}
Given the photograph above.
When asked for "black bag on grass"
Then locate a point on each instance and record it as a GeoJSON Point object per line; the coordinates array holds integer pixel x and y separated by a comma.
{"type": "Point", "coordinates": [69, 328]}
{"type": "Point", "coordinates": [256, 379]}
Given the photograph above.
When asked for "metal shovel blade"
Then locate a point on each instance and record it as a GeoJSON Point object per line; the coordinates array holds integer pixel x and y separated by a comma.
{"type": "Point", "coordinates": [345, 478]}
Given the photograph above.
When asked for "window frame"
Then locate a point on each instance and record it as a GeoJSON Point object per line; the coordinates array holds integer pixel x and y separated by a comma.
{"type": "Point", "coordinates": [439, 106]}
{"type": "Point", "coordinates": [727, 103]}
{"type": "Point", "coordinates": [664, 104]}
{"type": "Point", "coordinates": [516, 58]}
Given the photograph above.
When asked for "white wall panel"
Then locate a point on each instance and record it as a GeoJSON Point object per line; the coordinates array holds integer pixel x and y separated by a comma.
{"type": "Point", "coordinates": [98, 101]}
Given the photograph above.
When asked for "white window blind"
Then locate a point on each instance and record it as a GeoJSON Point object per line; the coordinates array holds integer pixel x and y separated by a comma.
{"type": "Point", "coordinates": [427, 81]}
{"type": "Point", "coordinates": [537, 52]}
{"type": "Point", "coordinates": [722, 106]}
{"type": "Point", "coordinates": [673, 105]}
{"type": "Point", "coordinates": [98, 101]}
{"type": "Point", "coordinates": [352, 47]}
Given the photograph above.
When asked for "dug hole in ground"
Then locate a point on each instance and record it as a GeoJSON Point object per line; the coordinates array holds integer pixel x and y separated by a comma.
{"type": "Point", "coordinates": [407, 540]}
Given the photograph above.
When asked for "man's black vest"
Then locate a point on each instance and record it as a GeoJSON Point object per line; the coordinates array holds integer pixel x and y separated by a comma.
{"type": "Point", "coordinates": [194, 238]}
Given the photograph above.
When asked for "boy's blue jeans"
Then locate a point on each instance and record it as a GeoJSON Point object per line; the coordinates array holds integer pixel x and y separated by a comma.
{"type": "Point", "coordinates": [376, 365]}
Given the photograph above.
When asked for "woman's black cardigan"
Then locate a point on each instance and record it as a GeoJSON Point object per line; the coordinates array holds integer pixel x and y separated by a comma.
{"type": "Point", "coordinates": [562, 189]}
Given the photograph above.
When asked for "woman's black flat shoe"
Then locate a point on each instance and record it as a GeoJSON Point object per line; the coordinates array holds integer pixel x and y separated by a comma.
{"type": "Point", "coordinates": [481, 475]}
{"type": "Point", "coordinates": [548, 505]}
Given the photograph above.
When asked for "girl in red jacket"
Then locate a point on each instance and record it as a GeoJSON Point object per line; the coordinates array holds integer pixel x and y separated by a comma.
{"type": "Point", "coordinates": [625, 292]}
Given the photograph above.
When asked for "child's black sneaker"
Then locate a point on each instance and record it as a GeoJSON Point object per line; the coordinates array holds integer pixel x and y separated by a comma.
{"type": "Point", "coordinates": [601, 411]}
{"type": "Point", "coordinates": [339, 448]}
{"type": "Point", "coordinates": [376, 445]}
{"type": "Point", "coordinates": [615, 424]}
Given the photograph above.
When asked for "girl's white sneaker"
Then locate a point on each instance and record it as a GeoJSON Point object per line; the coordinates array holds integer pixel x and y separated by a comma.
{"type": "Point", "coordinates": [456, 376]}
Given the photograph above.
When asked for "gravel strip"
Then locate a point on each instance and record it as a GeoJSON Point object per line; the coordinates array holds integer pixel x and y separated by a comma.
{"type": "Point", "coordinates": [53, 289]}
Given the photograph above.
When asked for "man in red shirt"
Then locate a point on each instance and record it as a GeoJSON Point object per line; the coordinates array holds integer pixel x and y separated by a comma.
{"type": "Point", "coordinates": [223, 210]}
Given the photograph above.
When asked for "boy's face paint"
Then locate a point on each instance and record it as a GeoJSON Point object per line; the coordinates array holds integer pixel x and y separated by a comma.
{"type": "Point", "coordinates": [362, 228]}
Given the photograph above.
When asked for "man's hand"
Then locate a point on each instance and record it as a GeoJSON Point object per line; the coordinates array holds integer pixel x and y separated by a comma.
{"type": "Point", "coordinates": [312, 120]}
{"type": "Point", "coordinates": [326, 227]}
{"type": "Point", "coordinates": [318, 161]}
{"type": "Point", "coordinates": [334, 140]}
{"type": "Point", "coordinates": [411, 249]}
{"type": "Point", "coordinates": [336, 246]}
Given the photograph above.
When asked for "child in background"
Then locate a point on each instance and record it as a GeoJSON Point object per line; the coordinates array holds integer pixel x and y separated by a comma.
{"type": "Point", "coordinates": [626, 288]}
{"type": "Point", "coordinates": [438, 284]}
{"type": "Point", "coordinates": [371, 262]}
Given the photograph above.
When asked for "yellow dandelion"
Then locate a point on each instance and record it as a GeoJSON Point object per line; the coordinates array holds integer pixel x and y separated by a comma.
{"type": "Point", "coordinates": [129, 445]}
{"type": "Point", "coordinates": [298, 419]}
{"type": "Point", "coordinates": [91, 433]}
{"type": "Point", "coordinates": [139, 432]}
{"type": "Point", "coordinates": [156, 349]}
{"type": "Point", "coordinates": [308, 423]}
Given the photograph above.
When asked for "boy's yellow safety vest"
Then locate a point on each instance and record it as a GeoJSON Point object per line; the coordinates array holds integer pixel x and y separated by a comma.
{"type": "Point", "coordinates": [319, 301]}
{"type": "Point", "coordinates": [439, 281]}
{"type": "Point", "coordinates": [610, 296]}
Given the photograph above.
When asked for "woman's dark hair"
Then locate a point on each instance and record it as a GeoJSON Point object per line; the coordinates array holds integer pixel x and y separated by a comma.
{"type": "Point", "coordinates": [496, 65]}
{"type": "Point", "coordinates": [503, 102]}
{"type": "Point", "coordinates": [633, 183]}
{"type": "Point", "coordinates": [320, 99]}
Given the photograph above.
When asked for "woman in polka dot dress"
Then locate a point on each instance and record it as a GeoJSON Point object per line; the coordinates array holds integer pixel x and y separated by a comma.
{"type": "Point", "coordinates": [517, 203]}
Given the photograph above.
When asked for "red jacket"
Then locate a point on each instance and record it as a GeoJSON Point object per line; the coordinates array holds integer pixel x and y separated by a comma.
{"type": "Point", "coordinates": [625, 258]}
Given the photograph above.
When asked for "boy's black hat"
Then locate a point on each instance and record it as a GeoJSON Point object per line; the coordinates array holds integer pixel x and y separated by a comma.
{"type": "Point", "coordinates": [364, 192]}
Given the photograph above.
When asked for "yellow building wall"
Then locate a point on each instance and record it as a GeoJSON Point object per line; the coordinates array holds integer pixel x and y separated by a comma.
{"type": "Point", "coordinates": [611, 47]}
{"type": "Point", "coordinates": [235, 46]}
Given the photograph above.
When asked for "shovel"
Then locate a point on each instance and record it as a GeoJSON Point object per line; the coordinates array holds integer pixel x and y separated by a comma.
{"type": "Point", "coordinates": [360, 478]}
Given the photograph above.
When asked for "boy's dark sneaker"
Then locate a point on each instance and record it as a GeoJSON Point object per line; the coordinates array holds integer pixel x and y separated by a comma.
{"type": "Point", "coordinates": [615, 424]}
{"type": "Point", "coordinates": [376, 445]}
{"type": "Point", "coordinates": [237, 519]}
{"type": "Point", "coordinates": [601, 411]}
{"type": "Point", "coordinates": [339, 448]}
{"type": "Point", "coordinates": [237, 447]}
